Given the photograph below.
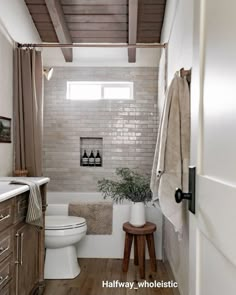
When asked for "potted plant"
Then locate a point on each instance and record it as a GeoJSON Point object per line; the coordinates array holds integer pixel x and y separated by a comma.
{"type": "Point", "coordinates": [129, 186]}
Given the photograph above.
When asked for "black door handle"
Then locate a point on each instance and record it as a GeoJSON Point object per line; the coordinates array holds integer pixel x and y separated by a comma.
{"type": "Point", "coordinates": [190, 196]}
{"type": "Point", "coordinates": [180, 196]}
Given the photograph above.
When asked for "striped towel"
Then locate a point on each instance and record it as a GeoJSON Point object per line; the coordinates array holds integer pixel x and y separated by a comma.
{"type": "Point", "coordinates": [34, 213]}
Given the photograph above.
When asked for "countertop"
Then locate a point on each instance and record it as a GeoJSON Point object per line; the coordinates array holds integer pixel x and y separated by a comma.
{"type": "Point", "coordinates": [8, 190]}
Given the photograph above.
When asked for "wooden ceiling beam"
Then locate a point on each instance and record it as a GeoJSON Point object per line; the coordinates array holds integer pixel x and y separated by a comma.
{"type": "Point", "coordinates": [133, 26]}
{"type": "Point", "coordinates": [57, 16]}
{"type": "Point", "coordinates": [94, 2]}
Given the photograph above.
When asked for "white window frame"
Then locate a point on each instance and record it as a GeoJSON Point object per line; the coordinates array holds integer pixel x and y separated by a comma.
{"type": "Point", "coordinates": [103, 84]}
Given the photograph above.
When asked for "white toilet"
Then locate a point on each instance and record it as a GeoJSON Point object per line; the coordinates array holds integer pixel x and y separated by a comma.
{"type": "Point", "coordinates": [62, 233]}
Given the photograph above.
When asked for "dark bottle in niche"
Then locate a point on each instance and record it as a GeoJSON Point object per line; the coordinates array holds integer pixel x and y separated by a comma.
{"type": "Point", "coordinates": [98, 159]}
{"type": "Point", "coordinates": [85, 159]}
{"type": "Point", "coordinates": [91, 159]}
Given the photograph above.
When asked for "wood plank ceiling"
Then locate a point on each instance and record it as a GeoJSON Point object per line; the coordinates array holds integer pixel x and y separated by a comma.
{"type": "Point", "coordinates": [98, 21]}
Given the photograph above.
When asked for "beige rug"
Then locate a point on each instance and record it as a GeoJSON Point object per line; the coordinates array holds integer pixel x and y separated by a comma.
{"type": "Point", "coordinates": [97, 214]}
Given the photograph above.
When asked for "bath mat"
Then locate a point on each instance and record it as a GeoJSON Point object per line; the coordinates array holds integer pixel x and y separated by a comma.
{"type": "Point", "coordinates": [97, 214]}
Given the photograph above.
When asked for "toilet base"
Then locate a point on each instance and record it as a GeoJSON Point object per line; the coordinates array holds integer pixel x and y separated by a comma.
{"type": "Point", "coordinates": [61, 263]}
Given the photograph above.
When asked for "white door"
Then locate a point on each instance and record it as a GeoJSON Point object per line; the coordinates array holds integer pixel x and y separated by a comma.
{"type": "Point", "coordinates": [213, 149]}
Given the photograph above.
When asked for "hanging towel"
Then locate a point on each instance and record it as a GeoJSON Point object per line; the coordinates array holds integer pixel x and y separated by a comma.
{"type": "Point", "coordinates": [162, 77]}
{"type": "Point", "coordinates": [161, 104]}
{"type": "Point", "coordinates": [34, 212]}
{"type": "Point", "coordinates": [170, 169]}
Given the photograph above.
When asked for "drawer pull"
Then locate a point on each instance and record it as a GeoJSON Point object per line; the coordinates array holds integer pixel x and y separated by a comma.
{"type": "Point", "coordinates": [2, 279]}
{"type": "Point", "coordinates": [2, 217]}
{"type": "Point", "coordinates": [21, 247]}
{"type": "Point", "coordinates": [3, 250]}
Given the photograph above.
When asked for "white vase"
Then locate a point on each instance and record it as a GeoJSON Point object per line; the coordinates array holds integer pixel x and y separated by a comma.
{"type": "Point", "coordinates": [137, 214]}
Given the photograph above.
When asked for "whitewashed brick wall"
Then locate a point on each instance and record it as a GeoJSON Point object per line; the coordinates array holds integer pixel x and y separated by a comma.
{"type": "Point", "coordinates": [128, 128]}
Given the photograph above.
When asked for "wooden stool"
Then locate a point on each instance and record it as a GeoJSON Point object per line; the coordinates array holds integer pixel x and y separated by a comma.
{"type": "Point", "coordinates": [139, 234]}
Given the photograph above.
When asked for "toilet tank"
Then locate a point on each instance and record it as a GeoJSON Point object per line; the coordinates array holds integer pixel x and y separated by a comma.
{"type": "Point", "coordinates": [57, 209]}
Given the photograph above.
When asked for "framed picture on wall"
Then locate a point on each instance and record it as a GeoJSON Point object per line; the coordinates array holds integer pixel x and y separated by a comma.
{"type": "Point", "coordinates": [5, 129]}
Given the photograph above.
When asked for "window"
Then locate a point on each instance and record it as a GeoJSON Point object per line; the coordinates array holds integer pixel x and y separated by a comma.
{"type": "Point", "coordinates": [99, 90]}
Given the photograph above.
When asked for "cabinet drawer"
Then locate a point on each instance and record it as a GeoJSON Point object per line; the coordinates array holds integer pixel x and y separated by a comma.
{"type": "Point", "coordinates": [7, 290]}
{"type": "Point", "coordinates": [5, 272]}
{"type": "Point", "coordinates": [6, 214]}
{"type": "Point", "coordinates": [6, 244]}
{"type": "Point", "coordinates": [21, 206]}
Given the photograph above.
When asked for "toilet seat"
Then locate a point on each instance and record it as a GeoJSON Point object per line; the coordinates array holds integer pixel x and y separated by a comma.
{"type": "Point", "coordinates": [63, 222]}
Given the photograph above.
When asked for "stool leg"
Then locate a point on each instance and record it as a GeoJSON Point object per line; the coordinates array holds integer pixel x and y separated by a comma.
{"type": "Point", "coordinates": [135, 250]}
{"type": "Point", "coordinates": [127, 249]}
{"type": "Point", "coordinates": [141, 255]}
{"type": "Point", "coordinates": [151, 250]}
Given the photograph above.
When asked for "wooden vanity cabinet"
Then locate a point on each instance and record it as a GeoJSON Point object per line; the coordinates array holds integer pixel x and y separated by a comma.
{"type": "Point", "coordinates": [7, 289]}
{"type": "Point", "coordinates": [21, 249]}
{"type": "Point", "coordinates": [26, 258]}
{"type": "Point", "coordinates": [6, 246]}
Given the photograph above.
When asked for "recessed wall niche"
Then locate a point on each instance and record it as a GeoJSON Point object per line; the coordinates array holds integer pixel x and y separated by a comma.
{"type": "Point", "coordinates": [91, 151]}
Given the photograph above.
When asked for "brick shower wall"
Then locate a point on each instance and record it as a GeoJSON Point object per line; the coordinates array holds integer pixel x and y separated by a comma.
{"type": "Point", "coordinates": [128, 128]}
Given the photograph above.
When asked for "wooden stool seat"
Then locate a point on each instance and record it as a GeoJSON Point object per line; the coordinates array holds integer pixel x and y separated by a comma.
{"type": "Point", "coordinates": [139, 234]}
{"type": "Point", "coordinates": [148, 228]}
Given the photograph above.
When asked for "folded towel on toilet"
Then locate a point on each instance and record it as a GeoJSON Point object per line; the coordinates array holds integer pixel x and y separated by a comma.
{"type": "Point", "coordinates": [98, 216]}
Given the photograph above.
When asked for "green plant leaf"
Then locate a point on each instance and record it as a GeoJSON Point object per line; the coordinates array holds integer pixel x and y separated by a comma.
{"type": "Point", "coordinates": [130, 186]}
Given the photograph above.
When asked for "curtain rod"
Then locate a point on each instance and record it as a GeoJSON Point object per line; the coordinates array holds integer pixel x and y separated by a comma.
{"type": "Point", "coordinates": [103, 45]}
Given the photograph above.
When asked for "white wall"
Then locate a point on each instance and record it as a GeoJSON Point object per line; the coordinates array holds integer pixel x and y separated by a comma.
{"type": "Point", "coordinates": [102, 57]}
{"type": "Point", "coordinates": [6, 98]}
{"type": "Point", "coordinates": [178, 32]}
{"type": "Point", "coordinates": [15, 16]}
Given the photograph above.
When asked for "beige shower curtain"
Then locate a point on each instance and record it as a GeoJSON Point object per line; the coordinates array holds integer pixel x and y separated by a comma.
{"type": "Point", "coordinates": [28, 110]}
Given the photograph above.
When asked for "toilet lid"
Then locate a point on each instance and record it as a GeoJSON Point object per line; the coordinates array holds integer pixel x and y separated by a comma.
{"type": "Point", "coordinates": [63, 222]}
